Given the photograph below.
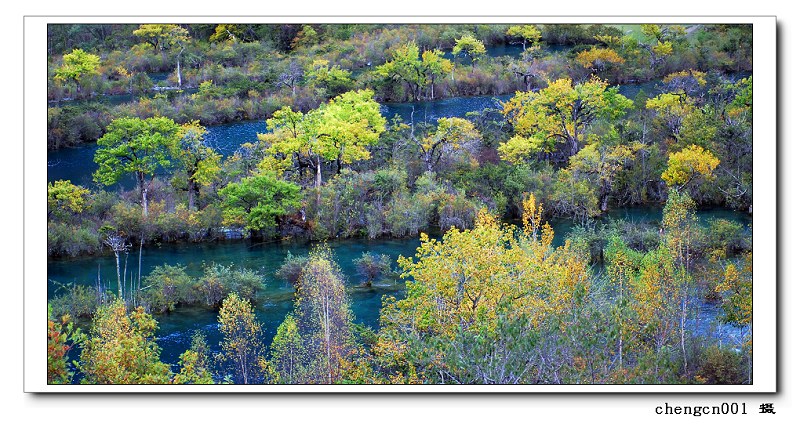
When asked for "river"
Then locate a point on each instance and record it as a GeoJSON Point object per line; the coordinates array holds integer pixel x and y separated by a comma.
{"type": "Point", "coordinates": [275, 301]}
{"type": "Point", "coordinates": [76, 164]}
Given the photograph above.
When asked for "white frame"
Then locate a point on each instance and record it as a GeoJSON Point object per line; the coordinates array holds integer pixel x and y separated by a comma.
{"type": "Point", "coordinates": [764, 214]}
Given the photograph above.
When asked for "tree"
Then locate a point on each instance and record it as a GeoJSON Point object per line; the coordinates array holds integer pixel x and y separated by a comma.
{"type": "Point", "coordinates": [242, 348]}
{"type": "Point", "coordinates": [435, 67]}
{"type": "Point", "coordinates": [599, 60]}
{"type": "Point", "coordinates": [471, 47]}
{"type": "Point", "coordinates": [686, 166]}
{"type": "Point", "coordinates": [527, 33]}
{"type": "Point", "coordinates": [672, 109]}
{"type": "Point", "coordinates": [558, 114]}
{"type": "Point", "coordinates": [257, 202]}
{"type": "Point", "coordinates": [64, 197]}
{"type": "Point", "coordinates": [287, 354]}
{"type": "Point", "coordinates": [233, 32]}
{"type": "Point", "coordinates": [416, 73]}
{"type": "Point", "coordinates": [121, 348]}
{"type": "Point", "coordinates": [140, 147]}
{"type": "Point", "coordinates": [660, 40]}
{"type": "Point", "coordinates": [680, 227]}
{"type": "Point", "coordinates": [324, 318]}
{"type": "Point", "coordinates": [340, 130]}
{"type": "Point", "coordinates": [451, 136]}
{"type": "Point", "coordinates": [195, 363]}
{"type": "Point", "coordinates": [163, 37]}
{"type": "Point", "coordinates": [291, 77]}
{"type": "Point", "coordinates": [76, 66]}
{"type": "Point", "coordinates": [200, 162]}
{"type": "Point", "coordinates": [466, 290]}
{"type": "Point", "coordinates": [599, 165]}
{"type": "Point", "coordinates": [62, 336]}
{"type": "Point", "coordinates": [332, 79]}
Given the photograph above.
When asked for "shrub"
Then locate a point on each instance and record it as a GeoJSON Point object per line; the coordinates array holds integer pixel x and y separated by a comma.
{"type": "Point", "coordinates": [80, 301]}
{"type": "Point", "coordinates": [721, 366]}
{"type": "Point", "coordinates": [291, 268]}
{"type": "Point", "coordinates": [167, 286]}
{"type": "Point", "coordinates": [371, 266]}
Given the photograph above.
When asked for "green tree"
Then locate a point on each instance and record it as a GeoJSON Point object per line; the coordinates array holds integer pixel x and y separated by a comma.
{"type": "Point", "coordinates": [121, 348]}
{"type": "Point", "coordinates": [195, 363]}
{"type": "Point", "coordinates": [164, 37]}
{"type": "Point", "coordinates": [340, 131]}
{"type": "Point", "coordinates": [200, 162]}
{"type": "Point", "coordinates": [417, 73]}
{"type": "Point", "coordinates": [257, 202]}
{"type": "Point", "coordinates": [77, 65]}
{"type": "Point", "coordinates": [332, 80]}
{"type": "Point", "coordinates": [471, 47]}
{"type": "Point", "coordinates": [287, 354]}
{"type": "Point", "coordinates": [242, 348]}
{"type": "Point", "coordinates": [527, 33]}
{"type": "Point", "coordinates": [324, 319]}
{"type": "Point", "coordinates": [140, 147]}
{"type": "Point", "coordinates": [559, 114]}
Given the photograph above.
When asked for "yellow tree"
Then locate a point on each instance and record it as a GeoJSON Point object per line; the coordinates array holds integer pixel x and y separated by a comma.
{"type": "Point", "coordinates": [323, 320]}
{"type": "Point", "coordinates": [599, 165]}
{"type": "Point", "coordinates": [471, 47]}
{"type": "Point", "coordinates": [242, 346]}
{"type": "Point", "coordinates": [599, 60]}
{"type": "Point", "coordinates": [121, 348]}
{"type": "Point", "coordinates": [526, 33]}
{"type": "Point", "coordinates": [659, 41]}
{"type": "Point", "coordinates": [451, 136]}
{"type": "Point", "coordinates": [689, 165]}
{"type": "Point", "coordinates": [672, 109]}
{"type": "Point", "coordinates": [473, 285]}
{"type": "Point", "coordinates": [164, 37]}
{"type": "Point", "coordinates": [559, 114]}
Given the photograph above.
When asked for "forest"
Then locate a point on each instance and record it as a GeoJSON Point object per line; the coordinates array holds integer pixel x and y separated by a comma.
{"type": "Point", "coordinates": [399, 204]}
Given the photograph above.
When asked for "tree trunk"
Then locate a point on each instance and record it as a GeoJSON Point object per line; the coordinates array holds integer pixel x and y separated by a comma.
{"type": "Point", "coordinates": [192, 191]}
{"type": "Point", "coordinates": [318, 180]}
{"type": "Point", "coordinates": [143, 190]}
{"type": "Point", "coordinates": [179, 66]}
{"type": "Point", "coordinates": [119, 280]}
{"type": "Point", "coordinates": [139, 277]}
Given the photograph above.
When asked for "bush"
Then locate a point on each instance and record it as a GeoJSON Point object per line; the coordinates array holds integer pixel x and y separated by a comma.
{"type": "Point", "coordinates": [219, 280]}
{"type": "Point", "coordinates": [71, 240]}
{"type": "Point", "coordinates": [167, 286]}
{"type": "Point", "coordinates": [291, 268]}
{"type": "Point", "coordinates": [721, 366]}
{"type": "Point", "coordinates": [80, 301]}
{"type": "Point", "coordinates": [727, 236]}
{"type": "Point", "coordinates": [370, 266]}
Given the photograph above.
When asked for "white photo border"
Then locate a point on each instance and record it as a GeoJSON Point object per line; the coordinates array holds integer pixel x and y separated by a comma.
{"type": "Point", "coordinates": [764, 211]}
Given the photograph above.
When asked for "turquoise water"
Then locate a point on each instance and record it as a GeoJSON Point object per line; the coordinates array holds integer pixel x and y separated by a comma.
{"type": "Point", "coordinates": [275, 301]}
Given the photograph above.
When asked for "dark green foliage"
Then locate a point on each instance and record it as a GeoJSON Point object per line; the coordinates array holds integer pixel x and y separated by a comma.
{"type": "Point", "coordinates": [167, 286]}
{"type": "Point", "coordinates": [370, 267]}
{"type": "Point", "coordinates": [721, 366]}
{"type": "Point", "coordinates": [291, 268]}
{"type": "Point", "coordinates": [79, 301]}
{"type": "Point", "coordinates": [256, 203]}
